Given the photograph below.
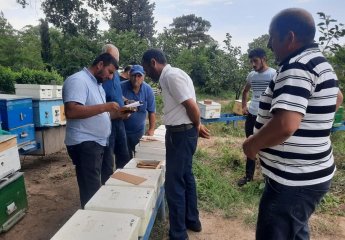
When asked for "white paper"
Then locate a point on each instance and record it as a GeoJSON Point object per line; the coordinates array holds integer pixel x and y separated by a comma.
{"type": "Point", "coordinates": [134, 104]}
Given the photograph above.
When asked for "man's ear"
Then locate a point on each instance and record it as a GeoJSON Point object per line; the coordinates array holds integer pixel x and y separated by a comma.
{"type": "Point", "coordinates": [291, 40]}
{"type": "Point", "coordinates": [100, 65]}
{"type": "Point", "coordinates": [153, 62]}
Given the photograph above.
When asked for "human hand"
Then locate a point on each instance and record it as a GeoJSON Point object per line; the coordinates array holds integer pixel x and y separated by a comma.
{"type": "Point", "coordinates": [249, 148]}
{"type": "Point", "coordinates": [149, 132]}
{"type": "Point", "coordinates": [204, 132]}
{"type": "Point", "coordinates": [111, 106]}
{"type": "Point", "coordinates": [245, 110]}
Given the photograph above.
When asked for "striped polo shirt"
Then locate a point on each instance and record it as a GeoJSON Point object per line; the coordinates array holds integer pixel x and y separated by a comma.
{"type": "Point", "coordinates": [305, 83]}
{"type": "Point", "coordinates": [258, 83]}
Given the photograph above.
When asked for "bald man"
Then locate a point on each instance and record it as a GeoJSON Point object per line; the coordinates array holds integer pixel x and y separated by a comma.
{"type": "Point", "coordinates": [292, 130]}
{"type": "Point", "coordinates": [116, 153]}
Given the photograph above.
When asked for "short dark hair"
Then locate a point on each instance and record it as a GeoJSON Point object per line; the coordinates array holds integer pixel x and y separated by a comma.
{"type": "Point", "coordinates": [257, 52]}
{"type": "Point", "coordinates": [296, 20]}
{"type": "Point", "coordinates": [156, 54]}
{"type": "Point", "coordinates": [127, 68]}
{"type": "Point", "coordinates": [107, 59]}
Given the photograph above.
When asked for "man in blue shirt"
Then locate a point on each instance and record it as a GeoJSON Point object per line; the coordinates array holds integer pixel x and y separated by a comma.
{"type": "Point", "coordinates": [117, 149]}
{"type": "Point", "coordinates": [88, 122]}
{"type": "Point", "coordinates": [138, 90]}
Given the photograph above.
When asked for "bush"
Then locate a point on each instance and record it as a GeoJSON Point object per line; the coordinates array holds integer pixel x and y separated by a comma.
{"type": "Point", "coordinates": [30, 76]}
{"type": "Point", "coordinates": [7, 79]}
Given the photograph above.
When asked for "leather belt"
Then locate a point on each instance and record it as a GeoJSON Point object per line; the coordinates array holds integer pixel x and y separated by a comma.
{"type": "Point", "coordinates": [179, 128]}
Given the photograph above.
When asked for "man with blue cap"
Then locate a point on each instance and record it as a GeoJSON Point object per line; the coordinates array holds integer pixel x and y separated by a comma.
{"type": "Point", "coordinates": [135, 89]}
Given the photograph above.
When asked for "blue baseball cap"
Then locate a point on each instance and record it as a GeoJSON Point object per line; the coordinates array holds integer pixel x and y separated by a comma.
{"type": "Point", "coordinates": [137, 69]}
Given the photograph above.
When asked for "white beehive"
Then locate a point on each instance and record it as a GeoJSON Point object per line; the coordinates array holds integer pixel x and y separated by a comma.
{"type": "Point", "coordinates": [134, 161]}
{"type": "Point", "coordinates": [91, 225]}
{"type": "Point", "coordinates": [34, 90]}
{"type": "Point", "coordinates": [156, 151]}
{"type": "Point", "coordinates": [209, 110]}
{"type": "Point", "coordinates": [9, 156]}
{"type": "Point", "coordinates": [137, 201]}
{"type": "Point", "coordinates": [153, 179]}
{"type": "Point", "coordinates": [151, 144]}
{"type": "Point", "coordinates": [57, 91]}
{"type": "Point", "coordinates": [150, 155]}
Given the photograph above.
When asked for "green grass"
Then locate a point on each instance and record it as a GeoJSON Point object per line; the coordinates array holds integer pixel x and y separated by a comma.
{"type": "Point", "coordinates": [218, 167]}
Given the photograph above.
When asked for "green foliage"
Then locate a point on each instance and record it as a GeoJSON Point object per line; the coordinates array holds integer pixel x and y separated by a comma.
{"type": "Point", "coordinates": [330, 31]}
{"type": "Point", "coordinates": [133, 15]}
{"type": "Point", "coordinates": [29, 50]}
{"type": "Point", "coordinates": [45, 42]}
{"type": "Point", "coordinates": [9, 43]}
{"type": "Point", "coordinates": [30, 76]}
{"type": "Point", "coordinates": [71, 16]}
{"type": "Point", "coordinates": [338, 62]}
{"type": "Point", "coordinates": [190, 31]}
{"type": "Point", "coordinates": [7, 79]}
{"type": "Point", "coordinates": [72, 53]}
{"type": "Point", "coordinates": [130, 44]}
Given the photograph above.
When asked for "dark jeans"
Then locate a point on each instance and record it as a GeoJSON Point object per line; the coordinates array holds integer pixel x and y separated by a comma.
{"type": "Point", "coordinates": [284, 211]}
{"type": "Point", "coordinates": [87, 158]}
{"type": "Point", "coordinates": [132, 140]}
{"type": "Point", "coordinates": [116, 153]}
{"type": "Point", "coordinates": [249, 129]}
{"type": "Point", "coordinates": [180, 188]}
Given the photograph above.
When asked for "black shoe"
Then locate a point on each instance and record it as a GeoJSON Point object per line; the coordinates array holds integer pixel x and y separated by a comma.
{"type": "Point", "coordinates": [194, 227]}
{"type": "Point", "coordinates": [243, 181]}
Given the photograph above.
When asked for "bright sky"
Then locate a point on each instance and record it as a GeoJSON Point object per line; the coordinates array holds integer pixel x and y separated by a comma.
{"type": "Point", "coordinates": [243, 19]}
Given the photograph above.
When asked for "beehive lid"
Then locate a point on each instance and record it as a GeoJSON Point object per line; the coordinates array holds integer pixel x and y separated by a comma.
{"type": "Point", "coordinates": [137, 200]}
{"type": "Point", "coordinates": [32, 86]}
{"type": "Point", "coordinates": [153, 178]}
{"type": "Point", "coordinates": [91, 225]}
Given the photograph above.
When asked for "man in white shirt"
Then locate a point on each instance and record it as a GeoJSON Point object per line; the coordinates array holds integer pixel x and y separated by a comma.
{"type": "Point", "coordinates": [182, 120]}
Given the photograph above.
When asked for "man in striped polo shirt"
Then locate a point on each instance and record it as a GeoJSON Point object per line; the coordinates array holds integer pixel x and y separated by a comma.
{"type": "Point", "coordinates": [292, 129]}
{"type": "Point", "coordinates": [257, 81]}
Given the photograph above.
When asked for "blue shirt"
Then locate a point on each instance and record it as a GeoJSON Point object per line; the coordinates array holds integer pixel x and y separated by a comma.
{"type": "Point", "coordinates": [136, 122]}
{"type": "Point", "coordinates": [82, 87]}
{"type": "Point", "coordinates": [113, 90]}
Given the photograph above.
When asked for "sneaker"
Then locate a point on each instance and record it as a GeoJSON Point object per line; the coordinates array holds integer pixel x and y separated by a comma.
{"type": "Point", "coordinates": [243, 181]}
{"type": "Point", "coordinates": [194, 227]}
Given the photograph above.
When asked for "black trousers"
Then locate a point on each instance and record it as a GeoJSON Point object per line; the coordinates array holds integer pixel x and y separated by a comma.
{"type": "Point", "coordinates": [249, 129]}
{"type": "Point", "coordinates": [87, 158]}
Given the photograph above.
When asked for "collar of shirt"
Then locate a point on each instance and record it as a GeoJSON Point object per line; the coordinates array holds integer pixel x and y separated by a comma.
{"type": "Point", "coordinates": [298, 51]}
{"type": "Point", "coordinates": [91, 76]}
{"type": "Point", "coordinates": [165, 69]}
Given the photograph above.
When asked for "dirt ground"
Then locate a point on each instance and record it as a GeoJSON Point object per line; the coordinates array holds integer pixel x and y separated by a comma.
{"type": "Point", "coordinates": [53, 198]}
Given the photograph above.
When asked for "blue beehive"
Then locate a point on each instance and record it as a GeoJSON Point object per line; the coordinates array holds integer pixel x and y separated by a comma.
{"type": "Point", "coordinates": [15, 111]}
{"type": "Point", "coordinates": [17, 117]}
{"type": "Point", "coordinates": [47, 112]}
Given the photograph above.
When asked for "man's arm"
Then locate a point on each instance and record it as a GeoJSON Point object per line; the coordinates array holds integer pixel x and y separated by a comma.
{"type": "Point", "coordinates": [282, 125]}
{"type": "Point", "coordinates": [245, 93]}
{"type": "Point", "coordinates": [152, 124]}
{"type": "Point", "coordinates": [339, 100]}
{"type": "Point", "coordinates": [74, 110]}
{"type": "Point", "coordinates": [193, 112]}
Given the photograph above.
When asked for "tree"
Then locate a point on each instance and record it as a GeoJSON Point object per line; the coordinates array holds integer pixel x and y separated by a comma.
{"type": "Point", "coordinates": [130, 44]}
{"type": "Point", "coordinates": [45, 43]}
{"type": "Point", "coordinates": [29, 50]}
{"type": "Point", "coordinates": [190, 30]}
{"type": "Point", "coordinates": [71, 17]}
{"type": "Point", "coordinates": [330, 31]}
{"type": "Point", "coordinates": [136, 15]}
{"type": "Point", "coordinates": [8, 42]}
{"type": "Point", "coordinates": [234, 69]}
